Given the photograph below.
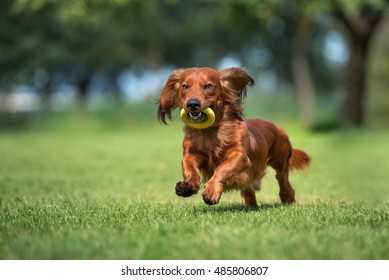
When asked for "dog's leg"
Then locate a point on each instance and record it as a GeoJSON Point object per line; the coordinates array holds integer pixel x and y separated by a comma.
{"type": "Point", "coordinates": [191, 175]}
{"type": "Point", "coordinates": [249, 197]}
{"type": "Point", "coordinates": [212, 192]}
{"type": "Point", "coordinates": [286, 190]}
{"type": "Point", "coordinates": [233, 169]}
{"type": "Point", "coordinates": [191, 183]}
{"type": "Point", "coordinates": [279, 160]}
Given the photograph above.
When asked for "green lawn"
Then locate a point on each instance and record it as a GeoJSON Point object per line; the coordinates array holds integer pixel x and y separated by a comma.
{"type": "Point", "coordinates": [82, 190]}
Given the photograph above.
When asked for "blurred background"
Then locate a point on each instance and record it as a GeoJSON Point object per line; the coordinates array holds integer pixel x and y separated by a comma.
{"type": "Point", "coordinates": [328, 59]}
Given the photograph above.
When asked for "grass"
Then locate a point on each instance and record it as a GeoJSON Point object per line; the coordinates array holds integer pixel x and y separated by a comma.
{"type": "Point", "coordinates": [81, 189]}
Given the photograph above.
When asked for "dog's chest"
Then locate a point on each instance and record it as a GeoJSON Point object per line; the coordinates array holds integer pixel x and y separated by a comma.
{"type": "Point", "coordinates": [211, 147]}
{"type": "Point", "coordinates": [205, 144]}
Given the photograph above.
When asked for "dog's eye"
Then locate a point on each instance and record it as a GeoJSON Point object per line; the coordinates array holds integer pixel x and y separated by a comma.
{"type": "Point", "coordinates": [208, 86]}
{"type": "Point", "coordinates": [184, 86]}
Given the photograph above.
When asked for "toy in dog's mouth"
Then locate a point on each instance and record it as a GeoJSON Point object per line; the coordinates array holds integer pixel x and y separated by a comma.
{"type": "Point", "coordinates": [197, 117]}
{"type": "Point", "coordinates": [200, 120]}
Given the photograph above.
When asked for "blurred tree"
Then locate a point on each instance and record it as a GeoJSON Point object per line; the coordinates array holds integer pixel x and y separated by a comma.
{"type": "Point", "coordinates": [290, 27]}
{"type": "Point", "coordinates": [360, 20]}
{"type": "Point", "coordinates": [378, 103]}
{"type": "Point", "coordinates": [305, 27]}
{"type": "Point", "coordinates": [18, 41]}
{"type": "Point", "coordinates": [64, 41]}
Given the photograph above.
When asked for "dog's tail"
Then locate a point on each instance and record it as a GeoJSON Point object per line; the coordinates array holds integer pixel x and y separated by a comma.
{"type": "Point", "coordinates": [299, 160]}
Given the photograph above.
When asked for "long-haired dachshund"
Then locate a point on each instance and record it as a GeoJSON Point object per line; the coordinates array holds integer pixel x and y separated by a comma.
{"type": "Point", "coordinates": [233, 153]}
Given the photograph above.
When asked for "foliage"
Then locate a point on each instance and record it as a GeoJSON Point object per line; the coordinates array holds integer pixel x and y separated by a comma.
{"type": "Point", "coordinates": [72, 40]}
{"type": "Point", "coordinates": [49, 44]}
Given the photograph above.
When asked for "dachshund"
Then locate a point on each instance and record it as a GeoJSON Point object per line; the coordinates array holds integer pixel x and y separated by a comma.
{"type": "Point", "coordinates": [233, 153]}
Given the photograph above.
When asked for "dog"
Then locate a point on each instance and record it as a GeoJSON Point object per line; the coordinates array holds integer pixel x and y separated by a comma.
{"type": "Point", "coordinates": [233, 153]}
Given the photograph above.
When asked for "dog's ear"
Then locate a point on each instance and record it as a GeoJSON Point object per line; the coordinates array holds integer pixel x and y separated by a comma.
{"type": "Point", "coordinates": [235, 82]}
{"type": "Point", "coordinates": [168, 99]}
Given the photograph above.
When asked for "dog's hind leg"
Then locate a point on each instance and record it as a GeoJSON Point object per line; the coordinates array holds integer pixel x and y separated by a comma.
{"type": "Point", "coordinates": [280, 162]}
{"type": "Point", "coordinates": [282, 176]}
{"type": "Point", "coordinates": [286, 190]}
{"type": "Point", "coordinates": [248, 195]}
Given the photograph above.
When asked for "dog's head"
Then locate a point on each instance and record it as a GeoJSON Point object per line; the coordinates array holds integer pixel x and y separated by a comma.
{"type": "Point", "coordinates": [196, 89]}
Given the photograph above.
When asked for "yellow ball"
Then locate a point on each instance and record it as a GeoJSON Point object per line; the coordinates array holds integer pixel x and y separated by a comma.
{"type": "Point", "coordinates": [199, 125]}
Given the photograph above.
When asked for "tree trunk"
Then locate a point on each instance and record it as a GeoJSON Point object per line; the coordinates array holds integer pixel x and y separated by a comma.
{"type": "Point", "coordinates": [360, 32]}
{"type": "Point", "coordinates": [114, 89]}
{"type": "Point", "coordinates": [46, 93]}
{"type": "Point", "coordinates": [353, 106]}
{"type": "Point", "coordinates": [301, 70]}
{"type": "Point", "coordinates": [82, 90]}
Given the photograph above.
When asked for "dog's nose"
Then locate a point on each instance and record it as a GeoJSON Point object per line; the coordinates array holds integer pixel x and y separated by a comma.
{"type": "Point", "coordinates": [193, 104]}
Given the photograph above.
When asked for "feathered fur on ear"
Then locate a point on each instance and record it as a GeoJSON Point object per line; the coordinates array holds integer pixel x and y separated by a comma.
{"type": "Point", "coordinates": [168, 99]}
{"type": "Point", "coordinates": [235, 82]}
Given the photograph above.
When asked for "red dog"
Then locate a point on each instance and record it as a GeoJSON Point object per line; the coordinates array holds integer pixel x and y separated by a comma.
{"type": "Point", "coordinates": [232, 153]}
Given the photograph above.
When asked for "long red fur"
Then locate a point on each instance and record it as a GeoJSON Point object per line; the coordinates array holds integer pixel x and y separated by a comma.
{"type": "Point", "coordinates": [234, 152]}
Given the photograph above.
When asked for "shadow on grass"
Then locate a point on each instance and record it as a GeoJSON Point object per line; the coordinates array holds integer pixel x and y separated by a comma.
{"type": "Point", "coordinates": [237, 207]}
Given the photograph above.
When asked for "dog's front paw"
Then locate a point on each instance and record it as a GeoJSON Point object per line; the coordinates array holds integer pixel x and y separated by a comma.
{"type": "Point", "coordinates": [211, 195]}
{"type": "Point", "coordinates": [209, 200]}
{"type": "Point", "coordinates": [184, 189]}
